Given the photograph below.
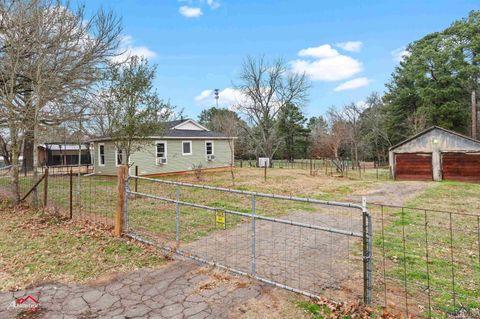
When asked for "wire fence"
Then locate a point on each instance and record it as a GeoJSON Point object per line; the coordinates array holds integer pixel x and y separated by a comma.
{"type": "Point", "coordinates": [427, 262]}
{"type": "Point", "coordinates": [68, 192]}
{"type": "Point", "coordinates": [303, 245]}
{"type": "Point", "coordinates": [329, 167]}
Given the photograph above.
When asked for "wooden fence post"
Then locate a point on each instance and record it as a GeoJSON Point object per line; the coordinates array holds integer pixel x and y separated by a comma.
{"type": "Point", "coordinates": [45, 188]}
{"type": "Point", "coordinates": [122, 175]}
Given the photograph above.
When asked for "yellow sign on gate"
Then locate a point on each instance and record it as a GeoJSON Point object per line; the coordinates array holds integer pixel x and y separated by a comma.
{"type": "Point", "coordinates": [220, 220]}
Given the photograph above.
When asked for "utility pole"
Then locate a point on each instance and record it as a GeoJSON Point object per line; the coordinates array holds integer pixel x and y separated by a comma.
{"type": "Point", "coordinates": [216, 97]}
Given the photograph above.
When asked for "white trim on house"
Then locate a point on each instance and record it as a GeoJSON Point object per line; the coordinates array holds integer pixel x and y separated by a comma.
{"type": "Point", "coordinates": [213, 149]}
{"type": "Point", "coordinates": [185, 126]}
{"type": "Point", "coordinates": [191, 145]}
{"type": "Point", "coordinates": [100, 155]}
{"type": "Point", "coordinates": [165, 155]}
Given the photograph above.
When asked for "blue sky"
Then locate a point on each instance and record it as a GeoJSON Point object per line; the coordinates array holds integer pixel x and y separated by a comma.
{"type": "Point", "coordinates": [348, 48]}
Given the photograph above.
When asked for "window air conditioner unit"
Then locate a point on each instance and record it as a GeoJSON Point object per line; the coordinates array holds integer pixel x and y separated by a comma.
{"type": "Point", "coordinates": [161, 160]}
{"type": "Point", "coordinates": [210, 157]}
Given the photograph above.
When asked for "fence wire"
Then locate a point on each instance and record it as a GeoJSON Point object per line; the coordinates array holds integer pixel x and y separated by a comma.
{"type": "Point", "coordinates": [329, 167]}
{"type": "Point", "coordinates": [68, 192]}
{"type": "Point", "coordinates": [303, 245]}
{"type": "Point", "coordinates": [427, 262]}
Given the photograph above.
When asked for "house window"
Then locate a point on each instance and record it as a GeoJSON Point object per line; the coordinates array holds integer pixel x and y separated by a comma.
{"type": "Point", "coordinates": [101, 154]}
{"type": "Point", "coordinates": [119, 157]}
{"type": "Point", "coordinates": [161, 152]}
{"type": "Point", "coordinates": [186, 148]}
{"type": "Point", "coordinates": [209, 148]}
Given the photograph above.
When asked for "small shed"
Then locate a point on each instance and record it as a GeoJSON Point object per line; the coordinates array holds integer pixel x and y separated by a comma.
{"type": "Point", "coordinates": [53, 154]}
{"type": "Point", "coordinates": [436, 154]}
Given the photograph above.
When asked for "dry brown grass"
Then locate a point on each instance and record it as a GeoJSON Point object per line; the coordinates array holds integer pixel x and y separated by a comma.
{"type": "Point", "coordinates": [295, 182]}
{"type": "Point", "coordinates": [37, 247]}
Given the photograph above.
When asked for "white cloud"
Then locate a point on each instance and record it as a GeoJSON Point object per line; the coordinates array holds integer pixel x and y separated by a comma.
{"type": "Point", "coordinates": [190, 12]}
{"type": "Point", "coordinates": [352, 46]}
{"type": "Point", "coordinates": [323, 51]}
{"type": "Point", "coordinates": [213, 4]}
{"type": "Point", "coordinates": [329, 69]}
{"type": "Point", "coordinates": [327, 64]}
{"type": "Point", "coordinates": [399, 54]}
{"type": "Point", "coordinates": [205, 94]}
{"type": "Point", "coordinates": [128, 49]}
{"type": "Point", "coordinates": [352, 84]}
{"type": "Point", "coordinates": [227, 97]}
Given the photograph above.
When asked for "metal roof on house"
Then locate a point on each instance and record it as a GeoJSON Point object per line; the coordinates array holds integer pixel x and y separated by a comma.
{"type": "Point", "coordinates": [431, 129]}
{"type": "Point", "coordinates": [63, 147]}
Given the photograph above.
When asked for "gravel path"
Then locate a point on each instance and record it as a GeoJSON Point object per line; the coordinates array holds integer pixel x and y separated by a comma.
{"type": "Point", "coordinates": [392, 193]}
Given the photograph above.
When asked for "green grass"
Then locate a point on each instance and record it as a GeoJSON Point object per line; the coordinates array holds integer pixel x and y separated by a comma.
{"type": "Point", "coordinates": [157, 219]}
{"type": "Point", "coordinates": [406, 255]}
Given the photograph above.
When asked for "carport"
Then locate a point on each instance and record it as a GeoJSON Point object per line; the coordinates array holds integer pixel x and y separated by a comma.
{"type": "Point", "coordinates": [436, 154]}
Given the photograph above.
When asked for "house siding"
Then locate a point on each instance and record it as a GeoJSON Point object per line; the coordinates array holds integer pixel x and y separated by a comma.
{"type": "Point", "coordinates": [145, 159]}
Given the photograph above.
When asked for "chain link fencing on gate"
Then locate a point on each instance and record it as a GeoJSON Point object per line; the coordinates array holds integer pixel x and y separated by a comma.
{"type": "Point", "coordinates": [303, 245]}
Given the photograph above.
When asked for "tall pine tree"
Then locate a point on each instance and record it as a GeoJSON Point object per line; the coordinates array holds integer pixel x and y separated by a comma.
{"type": "Point", "coordinates": [291, 127]}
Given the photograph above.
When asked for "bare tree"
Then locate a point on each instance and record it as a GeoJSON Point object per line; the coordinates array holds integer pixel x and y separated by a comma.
{"type": "Point", "coordinates": [132, 106]}
{"type": "Point", "coordinates": [48, 53]}
{"type": "Point", "coordinates": [267, 88]}
{"type": "Point", "coordinates": [230, 124]}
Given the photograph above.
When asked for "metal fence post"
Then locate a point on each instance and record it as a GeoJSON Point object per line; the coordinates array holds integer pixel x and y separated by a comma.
{"type": "Point", "coordinates": [71, 194]}
{"type": "Point", "coordinates": [177, 215]}
{"type": "Point", "coordinates": [254, 266]}
{"type": "Point", "coordinates": [367, 252]}
{"type": "Point", "coordinates": [45, 188]}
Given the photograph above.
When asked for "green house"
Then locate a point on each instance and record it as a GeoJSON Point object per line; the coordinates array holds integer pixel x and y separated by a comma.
{"type": "Point", "coordinates": [183, 146]}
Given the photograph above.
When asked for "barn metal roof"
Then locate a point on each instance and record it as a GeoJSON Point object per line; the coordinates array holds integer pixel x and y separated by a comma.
{"type": "Point", "coordinates": [63, 147]}
{"type": "Point", "coordinates": [431, 129]}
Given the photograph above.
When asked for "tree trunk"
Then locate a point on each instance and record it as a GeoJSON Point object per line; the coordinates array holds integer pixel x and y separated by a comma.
{"type": "Point", "coordinates": [35, 200]}
{"type": "Point", "coordinates": [15, 168]}
{"type": "Point", "coordinates": [474, 114]}
{"type": "Point", "coordinates": [28, 142]}
{"type": "Point", "coordinates": [28, 150]}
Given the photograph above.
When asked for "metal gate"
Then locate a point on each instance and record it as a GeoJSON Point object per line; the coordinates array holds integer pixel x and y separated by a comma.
{"type": "Point", "coordinates": [304, 245]}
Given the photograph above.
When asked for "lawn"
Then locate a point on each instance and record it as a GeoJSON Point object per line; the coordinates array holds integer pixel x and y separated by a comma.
{"type": "Point", "coordinates": [443, 221]}
{"type": "Point", "coordinates": [153, 216]}
{"type": "Point", "coordinates": [38, 247]}
{"type": "Point", "coordinates": [400, 237]}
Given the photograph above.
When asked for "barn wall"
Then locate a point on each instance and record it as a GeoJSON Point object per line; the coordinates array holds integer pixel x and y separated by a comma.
{"type": "Point", "coordinates": [435, 142]}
